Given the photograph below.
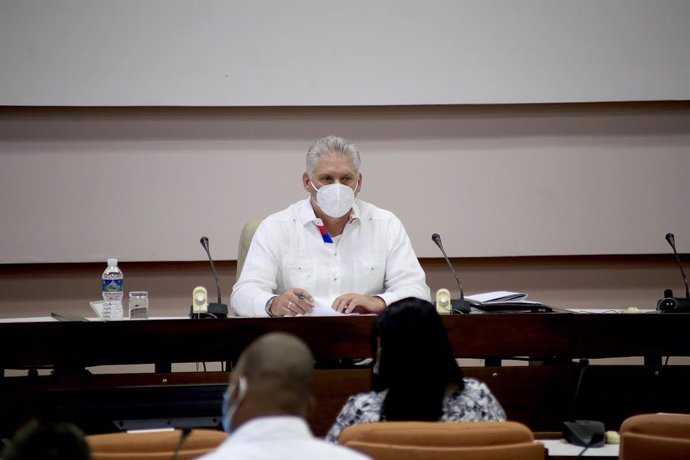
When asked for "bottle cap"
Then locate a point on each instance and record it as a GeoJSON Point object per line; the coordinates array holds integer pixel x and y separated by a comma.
{"type": "Point", "coordinates": [112, 262]}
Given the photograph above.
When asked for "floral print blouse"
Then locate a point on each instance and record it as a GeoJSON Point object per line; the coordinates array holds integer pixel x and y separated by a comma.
{"type": "Point", "coordinates": [475, 403]}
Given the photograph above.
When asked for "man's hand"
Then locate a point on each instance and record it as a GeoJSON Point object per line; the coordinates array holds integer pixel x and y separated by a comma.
{"type": "Point", "coordinates": [356, 303]}
{"type": "Point", "coordinates": [293, 302]}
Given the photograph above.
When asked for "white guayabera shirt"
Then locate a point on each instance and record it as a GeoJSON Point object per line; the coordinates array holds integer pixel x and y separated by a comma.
{"type": "Point", "coordinates": [373, 256]}
{"type": "Point", "coordinates": [279, 437]}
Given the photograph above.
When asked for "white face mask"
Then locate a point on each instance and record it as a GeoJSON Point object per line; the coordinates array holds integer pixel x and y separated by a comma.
{"type": "Point", "coordinates": [229, 412]}
{"type": "Point", "coordinates": [334, 199]}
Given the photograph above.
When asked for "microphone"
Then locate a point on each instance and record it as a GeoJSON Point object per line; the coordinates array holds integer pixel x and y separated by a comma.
{"type": "Point", "coordinates": [585, 433]}
{"type": "Point", "coordinates": [204, 243]}
{"type": "Point", "coordinates": [670, 303]}
{"type": "Point", "coordinates": [457, 305]}
{"type": "Point", "coordinates": [183, 437]}
{"type": "Point", "coordinates": [672, 241]}
{"type": "Point", "coordinates": [218, 309]}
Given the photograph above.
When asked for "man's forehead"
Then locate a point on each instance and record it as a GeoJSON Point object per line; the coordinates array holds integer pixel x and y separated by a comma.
{"type": "Point", "coordinates": [335, 163]}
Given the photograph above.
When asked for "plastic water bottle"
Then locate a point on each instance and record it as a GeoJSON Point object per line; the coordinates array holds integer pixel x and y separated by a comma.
{"type": "Point", "coordinates": [112, 284]}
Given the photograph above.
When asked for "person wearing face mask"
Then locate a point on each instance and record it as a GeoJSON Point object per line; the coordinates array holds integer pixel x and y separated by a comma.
{"type": "Point", "coordinates": [330, 250]}
{"type": "Point", "coordinates": [266, 402]}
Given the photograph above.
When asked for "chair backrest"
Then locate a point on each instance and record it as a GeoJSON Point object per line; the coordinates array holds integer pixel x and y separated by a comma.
{"type": "Point", "coordinates": [246, 236]}
{"type": "Point", "coordinates": [153, 445]}
{"type": "Point", "coordinates": [667, 425]}
{"type": "Point", "coordinates": [652, 436]}
{"type": "Point", "coordinates": [636, 446]}
{"type": "Point", "coordinates": [524, 451]}
{"type": "Point", "coordinates": [443, 440]}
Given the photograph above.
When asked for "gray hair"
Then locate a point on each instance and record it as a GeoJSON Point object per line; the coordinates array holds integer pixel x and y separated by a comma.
{"type": "Point", "coordinates": [331, 145]}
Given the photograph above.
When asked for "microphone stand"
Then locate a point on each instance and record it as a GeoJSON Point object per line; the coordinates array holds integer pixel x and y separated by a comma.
{"type": "Point", "coordinates": [183, 437]}
{"type": "Point", "coordinates": [585, 433]}
{"type": "Point", "coordinates": [217, 309]}
{"type": "Point", "coordinates": [670, 304]}
{"type": "Point", "coordinates": [457, 305]}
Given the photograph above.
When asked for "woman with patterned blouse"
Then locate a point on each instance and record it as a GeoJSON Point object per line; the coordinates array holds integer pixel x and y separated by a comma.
{"type": "Point", "coordinates": [415, 375]}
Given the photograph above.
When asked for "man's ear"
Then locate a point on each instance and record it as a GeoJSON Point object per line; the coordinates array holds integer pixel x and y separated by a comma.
{"type": "Point", "coordinates": [305, 182]}
{"type": "Point", "coordinates": [359, 184]}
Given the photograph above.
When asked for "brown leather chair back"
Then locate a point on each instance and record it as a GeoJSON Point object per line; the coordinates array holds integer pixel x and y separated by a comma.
{"type": "Point", "coordinates": [441, 440]}
{"type": "Point", "coordinates": [654, 436]}
{"type": "Point", "coordinates": [153, 445]}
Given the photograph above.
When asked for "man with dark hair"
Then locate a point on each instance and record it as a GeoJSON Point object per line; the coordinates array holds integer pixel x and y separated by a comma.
{"type": "Point", "coordinates": [267, 401]}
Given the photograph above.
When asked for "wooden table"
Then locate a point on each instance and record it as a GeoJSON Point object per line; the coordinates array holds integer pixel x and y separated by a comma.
{"type": "Point", "coordinates": [539, 394]}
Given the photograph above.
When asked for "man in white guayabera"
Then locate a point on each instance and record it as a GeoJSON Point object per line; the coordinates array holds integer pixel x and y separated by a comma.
{"type": "Point", "coordinates": [329, 253]}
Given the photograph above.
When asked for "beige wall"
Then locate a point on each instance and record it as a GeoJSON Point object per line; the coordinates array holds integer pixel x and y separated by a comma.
{"type": "Point", "coordinates": [329, 52]}
{"type": "Point", "coordinates": [143, 184]}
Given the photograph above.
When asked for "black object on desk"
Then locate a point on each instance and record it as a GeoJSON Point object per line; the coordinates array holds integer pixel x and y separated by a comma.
{"type": "Point", "coordinates": [67, 317]}
{"type": "Point", "coordinates": [512, 307]}
{"type": "Point", "coordinates": [585, 433]}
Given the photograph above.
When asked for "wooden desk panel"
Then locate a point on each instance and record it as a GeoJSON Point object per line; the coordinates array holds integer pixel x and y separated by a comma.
{"type": "Point", "coordinates": [75, 345]}
{"type": "Point", "coordinates": [538, 335]}
{"type": "Point", "coordinates": [539, 396]}
{"type": "Point", "coordinates": [96, 402]}
{"type": "Point", "coordinates": [616, 335]}
{"type": "Point", "coordinates": [71, 345]}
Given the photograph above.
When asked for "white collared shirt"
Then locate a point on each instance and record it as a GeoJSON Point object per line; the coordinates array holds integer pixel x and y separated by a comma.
{"type": "Point", "coordinates": [373, 256]}
{"type": "Point", "coordinates": [280, 437]}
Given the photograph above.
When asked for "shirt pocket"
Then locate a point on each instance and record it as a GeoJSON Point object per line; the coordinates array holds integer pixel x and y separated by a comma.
{"type": "Point", "coordinates": [297, 272]}
{"type": "Point", "coordinates": [370, 273]}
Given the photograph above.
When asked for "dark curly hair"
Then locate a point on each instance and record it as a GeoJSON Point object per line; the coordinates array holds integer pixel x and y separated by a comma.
{"type": "Point", "coordinates": [47, 440]}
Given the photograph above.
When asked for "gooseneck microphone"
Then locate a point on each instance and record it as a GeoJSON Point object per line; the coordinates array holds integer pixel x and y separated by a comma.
{"type": "Point", "coordinates": [457, 305]}
{"type": "Point", "coordinates": [218, 309]}
{"type": "Point", "coordinates": [204, 243]}
{"type": "Point", "coordinates": [670, 304]}
{"type": "Point", "coordinates": [183, 437]}
{"type": "Point", "coordinates": [585, 433]}
{"type": "Point", "coordinates": [672, 241]}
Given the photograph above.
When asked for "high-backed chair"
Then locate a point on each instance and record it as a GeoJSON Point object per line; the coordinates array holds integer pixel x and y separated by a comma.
{"type": "Point", "coordinates": [159, 445]}
{"type": "Point", "coordinates": [443, 441]}
{"type": "Point", "coordinates": [246, 236]}
{"type": "Point", "coordinates": [653, 436]}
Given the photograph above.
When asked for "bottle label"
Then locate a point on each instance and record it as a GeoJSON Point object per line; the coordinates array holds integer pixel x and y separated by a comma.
{"type": "Point", "coordinates": [112, 311]}
{"type": "Point", "coordinates": [112, 285]}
